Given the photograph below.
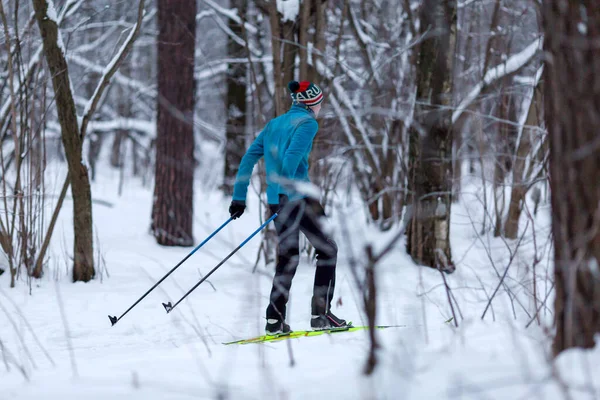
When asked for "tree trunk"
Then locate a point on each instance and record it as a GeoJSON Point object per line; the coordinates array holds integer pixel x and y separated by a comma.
{"type": "Point", "coordinates": [95, 140]}
{"type": "Point", "coordinates": [172, 211]}
{"type": "Point", "coordinates": [520, 186]}
{"type": "Point", "coordinates": [236, 102]}
{"type": "Point", "coordinates": [505, 148]}
{"type": "Point", "coordinates": [572, 114]}
{"type": "Point", "coordinates": [430, 153]}
{"type": "Point", "coordinates": [117, 156]}
{"type": "Point", "coordinates": [290, 51]}
{"type": "Point", "coordinates": [115, 153]}
{"type": "Point", "coordinates": [303, 38]}
{"type": "Point", "coordinates": [319, 38]}
{"type": "Point", "coordinates": [83, 265]}
{"type": "Point", "coordinates": [274, 18]}
{"type": "Point", "coordinates": [457, 159]}
{"type": "Point", "coordinates": [94, 149]}
{"type": "Point", "coordinates": [285, 50]}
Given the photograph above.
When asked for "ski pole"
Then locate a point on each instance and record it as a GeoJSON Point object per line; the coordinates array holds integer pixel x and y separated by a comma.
{"type": "Point", "coordinates": [114, 320]}
{"type": "Point", "coordinates": [169, 307]}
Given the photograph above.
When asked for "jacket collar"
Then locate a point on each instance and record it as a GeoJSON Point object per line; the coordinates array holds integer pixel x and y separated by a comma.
{"type": "Point", "coordinates": [302, 108]}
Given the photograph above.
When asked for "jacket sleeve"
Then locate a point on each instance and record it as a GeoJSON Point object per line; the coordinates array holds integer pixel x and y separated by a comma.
{"type": "Point", "coordinates": [298, 149]}
{"type": "Point", "coordinates": [254, 153]}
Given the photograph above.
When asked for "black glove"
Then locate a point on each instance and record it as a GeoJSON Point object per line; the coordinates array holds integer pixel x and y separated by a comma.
{"type": "Point", "coordinates": [283, 200]}
{"type": "Point", "coordinates": [315, 207]}
{"type": "Point", "coordinates": [236, 209]}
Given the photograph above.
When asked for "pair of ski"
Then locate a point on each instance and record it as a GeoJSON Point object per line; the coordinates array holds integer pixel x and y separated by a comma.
{"type": "Point", "coordinates": [300, 334]}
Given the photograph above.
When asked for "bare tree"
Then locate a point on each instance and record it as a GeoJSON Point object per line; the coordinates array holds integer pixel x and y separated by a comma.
{"type": "Point", "coordinates": [19, 236]}
{"type": "Point", "coordinates": [388, 71]}
{"type": "Point", "coordinates": [572, 114]}
{"type": "Point", "coordinates": [172, 210]}
{"type": "Point", "coordinates": [506, 138]}
{"type": "Point", "coordinates": [54, 51]}
{"type": "Point", "coordinates": [284, 49]}
{"type": "Point", "coordinates": [72, 133]}
{"type": "Point", "coordinates": [529, 161]}
{"type": "Point", "coordinates": [493, 59]}
{"type": "Point", "coordinates": [236, 98]}
{"type": "Point", "coordinates": [430, 173]}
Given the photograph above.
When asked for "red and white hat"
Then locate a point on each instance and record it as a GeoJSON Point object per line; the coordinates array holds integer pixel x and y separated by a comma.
{"type": "Point", "coordinates": [306, 93]}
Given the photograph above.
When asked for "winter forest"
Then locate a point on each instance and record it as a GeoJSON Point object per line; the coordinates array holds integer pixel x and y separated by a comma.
{"type": "Point", "coordinates": [453, 185]}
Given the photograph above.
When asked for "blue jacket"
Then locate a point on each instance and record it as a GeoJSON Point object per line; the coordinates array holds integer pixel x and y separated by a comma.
{"type": "Point", "coordinates": [285, 143]}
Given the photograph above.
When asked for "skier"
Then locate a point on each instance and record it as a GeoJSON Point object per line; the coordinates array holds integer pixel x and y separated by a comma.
{"type": "Point", "coordinates": [285, 143]}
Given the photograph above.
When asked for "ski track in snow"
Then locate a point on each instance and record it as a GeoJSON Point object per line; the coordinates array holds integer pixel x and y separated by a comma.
{"type": "Point", "coordinates": [153, 355]}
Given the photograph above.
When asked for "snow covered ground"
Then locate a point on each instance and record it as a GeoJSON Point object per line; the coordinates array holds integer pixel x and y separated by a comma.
{"type": "Point", "coordinates": [57, 333]}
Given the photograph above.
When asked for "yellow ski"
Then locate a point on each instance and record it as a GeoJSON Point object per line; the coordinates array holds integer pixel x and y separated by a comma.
{"type": "Point", "coordinates": [299, 334]}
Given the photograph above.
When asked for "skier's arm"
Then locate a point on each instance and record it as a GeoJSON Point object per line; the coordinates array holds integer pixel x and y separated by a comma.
{"type": "Point", "coordinates": [299, 145]}
{"type": "Point", "coordinates": [254, 153]}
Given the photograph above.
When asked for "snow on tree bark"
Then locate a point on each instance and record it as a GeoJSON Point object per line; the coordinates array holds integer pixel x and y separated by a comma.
{"type": "Point", "coordinates": [430, 148]}
{"type": "Point", "coordinates": [83, 255]}
{"type": "Point", "coordinates": [172, 210]}
{"type": "Point", "coordinates": [572, 114]}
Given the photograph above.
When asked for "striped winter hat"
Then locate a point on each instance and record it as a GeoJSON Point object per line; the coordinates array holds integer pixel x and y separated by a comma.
{"type": "Point", "coordinates": [306, 93]}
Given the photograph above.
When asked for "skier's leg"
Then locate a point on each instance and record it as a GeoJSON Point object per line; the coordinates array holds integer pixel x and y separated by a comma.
{"type": "Point", "coordinates": [326, 250]}
{"type": "Point", "coordinates": [288, 231]}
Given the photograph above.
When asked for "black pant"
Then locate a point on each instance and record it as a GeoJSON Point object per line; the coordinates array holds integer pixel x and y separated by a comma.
{"type": "Point", "coordinates": [295, 217]}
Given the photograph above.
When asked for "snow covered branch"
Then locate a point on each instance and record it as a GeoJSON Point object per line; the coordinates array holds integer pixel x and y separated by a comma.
{"type": "Point", "coordinates": [209, 71]}
{"type": "Point", "coordinates": [13, 100]}
{"type": "Point", "coordinates": [231, 14]}
{"type": "Point", "coordinates": [70, 7]}
{"type": "Point", "coordinates": [147, 127]}
{"type": "Point", "coordinates": [123, 80]}
{"type": "Point", "coordinates": [236, 38]}
{"type": "Point", "coordinates": [344, 99]}
{"type": "Point", "coordinates": [510, 66]}
{"type": "Point", "coordinates": [526, 103]}
{"type": "Point", "coordinates": [110, 70]}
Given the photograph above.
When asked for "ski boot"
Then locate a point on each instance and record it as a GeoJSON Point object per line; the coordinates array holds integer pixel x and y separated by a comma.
{"type": "Point", "coordinates": [323, 319]}
{"type": "Point", "coordinates": [327, 321]}
{"type": "Point", "coordinates": [277, 327]}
